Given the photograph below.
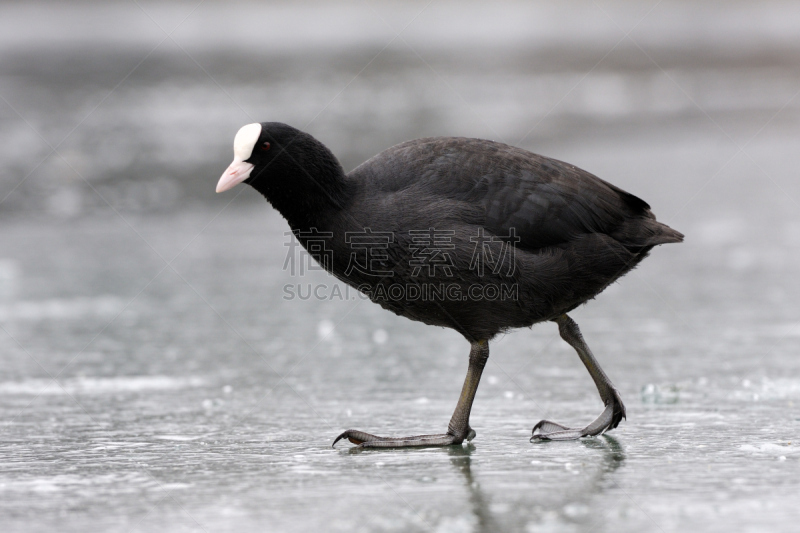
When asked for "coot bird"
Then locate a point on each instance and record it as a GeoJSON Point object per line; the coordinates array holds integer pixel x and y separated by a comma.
{"type": "Point", "coordinates": [469, 234]}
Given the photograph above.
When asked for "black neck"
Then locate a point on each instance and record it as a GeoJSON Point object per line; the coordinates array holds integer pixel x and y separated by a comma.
{"type": "Point", "coordinates": [305, 183]}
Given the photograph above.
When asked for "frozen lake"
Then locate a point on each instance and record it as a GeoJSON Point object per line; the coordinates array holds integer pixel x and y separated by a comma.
{"type": "Point", "coordinates": [153, 377]}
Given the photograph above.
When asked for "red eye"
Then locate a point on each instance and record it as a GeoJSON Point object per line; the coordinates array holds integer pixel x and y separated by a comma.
{"type": "Point", "coordinates": [265, 146]}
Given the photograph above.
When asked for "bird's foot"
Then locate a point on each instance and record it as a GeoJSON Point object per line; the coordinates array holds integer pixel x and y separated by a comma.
{"type": "Point", "coordinates": [365, 440]}
{"type": "Point", "coordinates": [609, 419]}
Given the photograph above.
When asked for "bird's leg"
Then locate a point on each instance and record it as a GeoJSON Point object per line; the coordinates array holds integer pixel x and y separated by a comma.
{"type": "Point", "coordinates": [457, 431]}
{"type": "Point", "coordinates": [614, 411]}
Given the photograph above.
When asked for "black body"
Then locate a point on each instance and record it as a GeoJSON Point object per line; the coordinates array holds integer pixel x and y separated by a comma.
{"type": "Point", "coordinates": [573, 233]}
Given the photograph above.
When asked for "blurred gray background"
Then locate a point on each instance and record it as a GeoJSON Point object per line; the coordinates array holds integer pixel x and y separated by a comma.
{"type": "Point", "coordinates": [153, 377]}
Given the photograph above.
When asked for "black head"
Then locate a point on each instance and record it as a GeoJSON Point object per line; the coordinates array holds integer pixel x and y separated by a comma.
{"type": "Point", "coordinates": [292, 169]}
{"type": "Point", "coordinates": [255, 148]}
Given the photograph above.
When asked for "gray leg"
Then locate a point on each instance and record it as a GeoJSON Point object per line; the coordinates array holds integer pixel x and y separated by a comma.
{"type": "Point", "coordinates": [457, 431]}
{"type": "Point", "coordinates": [614, 411]}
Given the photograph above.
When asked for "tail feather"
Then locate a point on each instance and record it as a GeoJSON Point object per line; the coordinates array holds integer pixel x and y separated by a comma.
{"type": "Point", "coordinates": [664, 235]}
{"type": "Point", "coordinates": [642, 233]}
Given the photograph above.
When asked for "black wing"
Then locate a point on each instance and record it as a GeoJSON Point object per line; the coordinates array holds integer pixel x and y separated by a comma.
{"type": "Point", "coordinates": [544, 201]}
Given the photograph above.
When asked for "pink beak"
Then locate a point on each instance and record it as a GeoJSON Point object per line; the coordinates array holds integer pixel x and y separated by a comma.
{"type": "Point", "coordinates": [237, 172]}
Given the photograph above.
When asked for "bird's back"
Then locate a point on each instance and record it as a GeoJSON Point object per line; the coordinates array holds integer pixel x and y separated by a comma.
{"type": "Point", "coordinates": [547, 202]}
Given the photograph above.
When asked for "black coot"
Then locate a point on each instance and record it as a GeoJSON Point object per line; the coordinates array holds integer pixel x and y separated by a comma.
{"type": "Point", "coordinates": [469, 234]}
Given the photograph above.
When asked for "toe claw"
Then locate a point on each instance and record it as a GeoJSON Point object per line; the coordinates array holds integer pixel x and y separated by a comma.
{"type": "Point", "coordinates": [546, 426]}
{"type": "Point", "coordinates": [548, 431]}
{"type": "Point", "coordinates": [552, 431]}
{"type": "Point", "coordinates": [608, 420]}
{"type": "Point", "coordinates": [355, 436]}
{"type": "Point", "coordinates": [366, 440]}
{"type": "Point", "coordinates": [337, 439]}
